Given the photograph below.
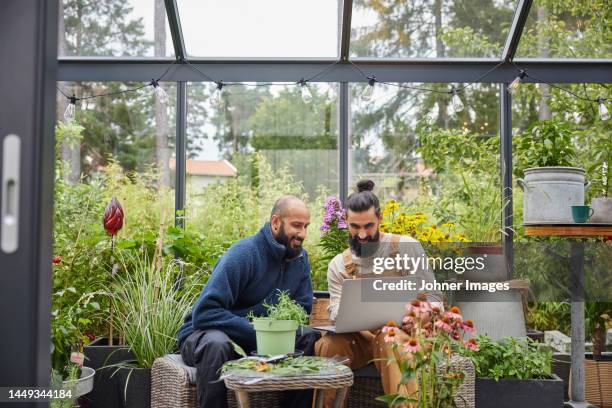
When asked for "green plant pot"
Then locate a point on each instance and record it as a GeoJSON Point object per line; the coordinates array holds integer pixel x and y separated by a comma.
{"type": "Point", "coordinates": [275, 336]}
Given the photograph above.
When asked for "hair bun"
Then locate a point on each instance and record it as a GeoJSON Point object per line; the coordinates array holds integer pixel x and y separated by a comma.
{"type": "Point", "coordinates": [365, 185]}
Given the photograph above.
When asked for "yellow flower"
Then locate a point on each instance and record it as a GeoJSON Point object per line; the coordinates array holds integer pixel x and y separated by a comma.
{"type": "Point", "coordinates": [448, 225]}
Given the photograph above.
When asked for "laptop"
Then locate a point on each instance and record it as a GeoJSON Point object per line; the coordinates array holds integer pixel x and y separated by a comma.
{"type": "Point", "coordinates": [356, 314]}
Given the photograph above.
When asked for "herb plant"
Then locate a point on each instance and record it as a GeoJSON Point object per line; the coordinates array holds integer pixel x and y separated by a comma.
{"type": "Point", "coordinates": [285, 309]}
{"type": "Point", "coordinates": [546, 143]}
{"type": "Point", "coordinates": [510, 358]}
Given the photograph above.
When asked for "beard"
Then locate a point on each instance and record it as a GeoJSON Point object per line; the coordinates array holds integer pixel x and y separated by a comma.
{"type": "Point", "coordinates": [285, 240]}
{"type": "Point", "coordinates": [366, 249]}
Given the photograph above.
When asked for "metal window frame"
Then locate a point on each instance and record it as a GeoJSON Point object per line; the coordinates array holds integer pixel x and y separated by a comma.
{"type": "Point", "coordinates": [419, 70]}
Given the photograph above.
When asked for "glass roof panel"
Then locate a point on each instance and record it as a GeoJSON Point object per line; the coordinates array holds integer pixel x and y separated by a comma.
{"type": "Point", "coordinates": [264, 28]}
{"type": "Point", "coordinates": [430, 28]}
{"type": "Point", "coordinates": [567, 29]}
{"type": "Point", "coordinates": [113, 29]}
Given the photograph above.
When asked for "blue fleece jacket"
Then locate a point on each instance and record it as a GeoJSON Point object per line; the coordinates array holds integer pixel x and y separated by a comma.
{"type": "Point", "coordinates": [247, 275]}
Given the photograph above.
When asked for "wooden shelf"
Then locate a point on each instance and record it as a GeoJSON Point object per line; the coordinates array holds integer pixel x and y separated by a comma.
{"type": "Point", "coordinates": [569, 230]}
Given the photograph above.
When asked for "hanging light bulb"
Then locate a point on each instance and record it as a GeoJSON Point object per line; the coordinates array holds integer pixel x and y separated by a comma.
{"type": "Point", "coordinates": [432, 114]}
{"type": "Point", "coordinates": [70, 112]}
{"type": "Point", "coordinates": [366, 95]}
{"type": "Point", "coordinates": [472, 114]}
{"type": "Point", "coordinates": [306, 95]}
{"type": "Point", "coordinates": [604, 113]}
{"type": "Point", "coordinates": [515, 84]}
{"type": "Point", "coordinates": [218, 94]}
{"type": "Point", "coordinates": [456, 102]}
{"type": "Point", "coordinates": [160, 93]}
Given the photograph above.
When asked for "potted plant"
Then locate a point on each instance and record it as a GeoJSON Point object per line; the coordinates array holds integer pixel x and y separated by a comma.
{"type": "Point", "coordinates": [545, 154]}
{"type": "Point", "coordinates": [68, 326]}
{"type": "Point", "coordinates": [514, 372]}
{"type": "Point", "coordinates": [275, 332]}
{"type": "Point", "coordinates": [149, 310]}
{"type": "Point", "coordinates": [598, 366]}
{"type": "Point", "coordinates": [427, 353]}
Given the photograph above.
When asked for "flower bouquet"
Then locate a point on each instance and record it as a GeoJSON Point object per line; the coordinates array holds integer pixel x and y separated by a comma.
{"type": "Point", "coordinates": [423, 349]}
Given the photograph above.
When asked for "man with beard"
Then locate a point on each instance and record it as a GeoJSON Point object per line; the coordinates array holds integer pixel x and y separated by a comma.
{"type": "Point", "coordinates": [366, 242]}
{"type": "Point", "coordinates": [249, 274]}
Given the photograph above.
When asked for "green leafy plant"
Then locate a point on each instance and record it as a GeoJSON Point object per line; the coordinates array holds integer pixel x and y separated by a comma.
{"type": "Point", "coordinates": [71, 328]}
{"type": "Point", "coordinates": [73, 372]}
{"type": "Point", "coordinates": [150, 307]}
{"type": "Point", "coordinates": [285, 309]}
{"type": "Point", "coordinates": [598, 315]}
{"type": "Point", "coordinates": [518, 358]}
{"type": "Point", "coordinates": [546, 143]}
{"type": "Point", "coordinates": [289, 366]}
{"type": "Point", "coordinates": [545, 316]}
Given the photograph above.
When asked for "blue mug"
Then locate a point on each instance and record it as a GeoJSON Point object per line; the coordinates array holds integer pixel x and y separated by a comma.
{"type": "Point", "coordinates": [582, 213]}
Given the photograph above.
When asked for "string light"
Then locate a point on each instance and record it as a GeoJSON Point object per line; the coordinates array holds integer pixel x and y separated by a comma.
{"type": "Point", "coordinates": [305, 91]}
{"type": "Point", "coordinates": [604, 113]}
{"type": "Point", "coordinates": [160, 93]}
{"type": "Point", "coordinates": [456, 102]}
{"type": "Point", "coordinates": [514, 85]}
{"type": "Point", "coordinates": [368, 91]}
{"type": "Point", "coordinates": [218, 95]}
{"type": "Point", "coordinates": [70, 112]}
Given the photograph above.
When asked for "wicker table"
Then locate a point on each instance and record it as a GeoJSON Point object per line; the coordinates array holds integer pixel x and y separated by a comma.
{"type": "Point", "coordinates": [341, 378]}
{"type": "Point", "coordinates": [577, 233]}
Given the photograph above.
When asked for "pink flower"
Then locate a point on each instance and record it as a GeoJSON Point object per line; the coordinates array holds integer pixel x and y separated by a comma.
{"type": "Point", "coordinates": [472, 344]}
{"type": "Point", "coordinates": [468, 326]}
{"type": "Point", "coordinates": [408, 319]}
{"type": "Point", "coordinates": [390, 337]}
{"type": "Point", "coordinates": [454, 316]}
{"type": "Point", "coordinates": [414, 306]}
{"type": "Point", "coordinates": [391, 325]}
{"type": "Point", "coordinates": [444, 325]}
{"type": "Point", "coordinates": [412, 346]}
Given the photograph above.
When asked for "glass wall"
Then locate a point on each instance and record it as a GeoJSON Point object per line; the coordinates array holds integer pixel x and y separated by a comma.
{"type": "Point", "coordinates": [567, 29]}
{"type": "Point", "coordinates": [430, 28]}
{"type": "Point", "coordinates": [113, 28]}
{"type": "Point", "coordinates": [251, 144]}
{"type": "Point", "coordinates": [265, 28]}
{"type": "Point", "coordinates": [431, 154]}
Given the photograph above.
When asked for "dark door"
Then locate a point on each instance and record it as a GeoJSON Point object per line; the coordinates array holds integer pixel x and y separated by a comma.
{"type": "Point", "coordinates": [28, 60]}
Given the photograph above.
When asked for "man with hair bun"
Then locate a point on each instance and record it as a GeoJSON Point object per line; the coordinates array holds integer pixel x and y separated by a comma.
{"type": "Point", "coordinates": [366, 241]}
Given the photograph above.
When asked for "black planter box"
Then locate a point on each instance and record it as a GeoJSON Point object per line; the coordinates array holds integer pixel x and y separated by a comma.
{"type": "Point", "coordinates": [561, 366]}
{"type": "Point", "coordinates": [99, 354]}
{"type": "Point", "coordinates": [519, 393]}
{"type": "Point", "coordinates": [134, 387]}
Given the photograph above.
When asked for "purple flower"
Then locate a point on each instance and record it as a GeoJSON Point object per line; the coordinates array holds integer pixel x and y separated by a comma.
{"type": "Point", "coordinates": [334, 214]}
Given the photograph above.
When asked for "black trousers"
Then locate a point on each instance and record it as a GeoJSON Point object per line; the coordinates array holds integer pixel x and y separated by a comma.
{"type": "Point", "coordinates": [208, 350]}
